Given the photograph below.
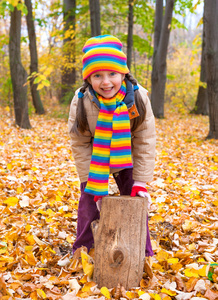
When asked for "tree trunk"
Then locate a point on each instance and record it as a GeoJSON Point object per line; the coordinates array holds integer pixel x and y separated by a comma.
{"type": "Point", "coordinates": [130, 34]}
{"type": "Point", "coordinates": [18, 73]}
{"type": "Point", "coordinates": [211, 32]}
{"type": "Point", "coordinates": [95, 17]}
{"type": "Point", "coordinates": [37, 103]}
{"type": "Point", "coordinates": [158, 77]}
{"type": "Point", "coordinates": [201, 105]}
{"type": "Point", "coordinates": [158, 23]}
{"type": "Point", "coordinates": [69, 74]}
{"type": "Point", "coordinates": [120, 241]}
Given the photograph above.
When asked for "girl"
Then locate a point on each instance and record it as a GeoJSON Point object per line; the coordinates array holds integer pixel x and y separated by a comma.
{"type": "Point", "coordinates": [112, 130]}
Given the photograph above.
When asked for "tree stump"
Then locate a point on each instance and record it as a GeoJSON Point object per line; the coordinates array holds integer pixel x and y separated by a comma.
{"type": "Point", "coordinates": [120, 241]}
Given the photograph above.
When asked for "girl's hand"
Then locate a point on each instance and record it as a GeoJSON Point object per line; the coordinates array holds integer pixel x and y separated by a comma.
{"type": "Point", "coordinates": [141, 191]}
{"type": "Point", "coordinates": [98, 200]}
{"type": "Point", "coordinates": [98, 203]}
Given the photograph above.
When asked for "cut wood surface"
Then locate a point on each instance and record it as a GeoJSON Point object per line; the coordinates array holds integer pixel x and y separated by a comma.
{"type": "Point", "coordinates": [120, 239]}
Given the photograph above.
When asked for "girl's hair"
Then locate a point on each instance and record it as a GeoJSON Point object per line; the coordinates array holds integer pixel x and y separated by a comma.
{"type": "Point", "coordinates": [81, 123]}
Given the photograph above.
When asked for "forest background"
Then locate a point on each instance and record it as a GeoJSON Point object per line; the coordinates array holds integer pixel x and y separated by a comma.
{"type": "Point", "coordinates": [59, 45]}
{"type": "Point", "coordinates": [39, 186]}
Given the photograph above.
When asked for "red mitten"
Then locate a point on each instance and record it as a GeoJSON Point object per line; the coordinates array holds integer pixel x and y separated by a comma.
{"type": "Point", "coordinates": [96, 198]}
{"type": "Point", "coordinates": [136, 189]}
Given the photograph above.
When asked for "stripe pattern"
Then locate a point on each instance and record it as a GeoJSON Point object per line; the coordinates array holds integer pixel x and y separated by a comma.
{"type": "Point", "coordinates": [112, 142]}
{"type": "Point", "coordinates": [104, 53]}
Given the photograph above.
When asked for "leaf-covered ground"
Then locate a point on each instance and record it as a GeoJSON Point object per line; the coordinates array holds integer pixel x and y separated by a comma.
{"type": "Point", "coordinates": [39, 193]}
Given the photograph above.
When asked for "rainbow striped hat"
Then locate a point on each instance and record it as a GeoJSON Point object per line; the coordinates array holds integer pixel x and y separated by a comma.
{"type": "Point", "coordinates": [103, 53]}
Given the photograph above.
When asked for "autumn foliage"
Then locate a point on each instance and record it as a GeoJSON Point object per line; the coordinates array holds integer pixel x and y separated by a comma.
{"type": "Point", "coordinates": [39, 193]}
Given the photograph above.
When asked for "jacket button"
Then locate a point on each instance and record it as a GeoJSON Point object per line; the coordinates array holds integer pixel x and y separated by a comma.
{"type": "Point", "coordinates": [133, 113]}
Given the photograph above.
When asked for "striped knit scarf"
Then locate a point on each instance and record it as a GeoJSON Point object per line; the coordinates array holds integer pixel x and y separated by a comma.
{"type": "Point", "coordinates": [112, 142]}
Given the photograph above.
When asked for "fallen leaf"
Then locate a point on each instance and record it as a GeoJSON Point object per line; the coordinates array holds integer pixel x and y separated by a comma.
{"type": "Point", "coordinates": [105, 292]}
{"type": "Point", "coordinates": [87, 263]}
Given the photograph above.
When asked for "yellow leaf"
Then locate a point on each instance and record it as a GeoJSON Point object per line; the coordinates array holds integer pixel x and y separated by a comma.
{"type": "Point", "coordinates": [203, 271]}
{"type": "Point", "coordinates": [34, 169]}
{"type": "Point", "coordinates": [130, 295]}
{"type": "Point", "coordinates": [201, 259]}
{"type": "Point", "coordinates": [162, 255]}
{"type": "Point", "coordinates": [40, 86]}
{"type": "Point", "coordinates": [215, 203]}
{"type": "Point", "coordinates": [19, 190]}
{"type": "Point", "coordinates": [7, 259]}
{"type": "Point", "coordinates": [87, 263]}
{"type": "Point", "coordinates": [42, 212]}
{"type": "Point", "coordinates": [87, 286]}
{"type": "Point", "coordinates": [30, 239]}
{"type": "Point", "coordinates": [168, 292]}
{"type": "Point", "coordinates": [155, 296]}
{"type": "Point", "coordinates": [13, 2]}
{"type": "Point", "coordinates": [191, 273]}
{"type": "Point", "coordinates": [157, 267]}
{"type": "Point", "coordinates": [58, 198]}
{"type": "Point", "coordinates": [157, 218]}
{"type": "Point", "coordinates": [50, 212]}
{"type": "Point", "coordinates": [173, 260]}
{"type": "Point", "coordinates": [167, 298]}
{"type": "Point", "coordinates": [11, 201]}
{"type": "Point", "coordinates": [30, 258]}
{"type": "Point", "coordinates": [169, 179]}
{"type": "Point", "coordinates": [164, 153]}
{"type": "Point", "coordinates": [41, 293]}
{"type": "Point", "coordinates": [176, 267]}
{"type": "Point", "coordinates": [49, 220]}
{"type": "Point", "coordinates": [48, 71]}
{"type": "Point", "coordinates": [105, 292]}
{"type": "Point", "coordinates": [60, 193]}
{"type": "Point", "coordinates": [76, 183]}
{"type": "Point", "coordinates": [9, 166]}
{"type": "Point", "coordinates": [213, 168]}
{"type": "Point", "coordinates": [69, 239]}
{"type": "Point", "coordinates": [84, 279]}
{"type": "Point", "coordinates": [28, 227]}
{"type": "Point", "coordinates": [3, 251]}
{"type": "Point", "coordinates": [28, 248]}
{"type": "Point", "coordinates": [215, 158]}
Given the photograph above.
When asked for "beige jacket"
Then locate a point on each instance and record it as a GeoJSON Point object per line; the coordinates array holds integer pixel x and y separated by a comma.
{"type": "Point", "coordinates": [143, 139]}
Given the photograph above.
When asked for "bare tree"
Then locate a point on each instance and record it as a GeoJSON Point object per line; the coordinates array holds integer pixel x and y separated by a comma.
{"type": "Point", "coordinates": [201, 105]}
{"type": "Point", "coordinates": [37, 103]}
{"type": "Point", "coordinates": [18, 73]}
{"type": "Point", "coordinates": [130, 34]}
{"type": "Point", "coordinates": [69, 74]}
{"type": "Point", "coordinates": [211, 34]}
{"type": "Point", "coordinates": [161, 40]}
{"type": "Point", "coordinates": [95, 17]}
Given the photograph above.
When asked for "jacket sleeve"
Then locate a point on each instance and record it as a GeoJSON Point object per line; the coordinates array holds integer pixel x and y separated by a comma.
{"type": "Point", "coordinates": [143, 144]}
{"type": "Point", "coordinates": [81, 144]}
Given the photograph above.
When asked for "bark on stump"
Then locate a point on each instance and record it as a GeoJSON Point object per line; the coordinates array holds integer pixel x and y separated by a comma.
{"type": "Point", "coordinates": [120, 241]}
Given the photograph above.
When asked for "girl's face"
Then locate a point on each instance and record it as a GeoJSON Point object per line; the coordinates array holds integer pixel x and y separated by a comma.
{"type": "Point", "coordinates": [106, 83]}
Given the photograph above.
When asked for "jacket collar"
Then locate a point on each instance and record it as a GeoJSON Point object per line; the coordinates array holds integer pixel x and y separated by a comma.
{"type": "Point", "coordinates": [128, 100]}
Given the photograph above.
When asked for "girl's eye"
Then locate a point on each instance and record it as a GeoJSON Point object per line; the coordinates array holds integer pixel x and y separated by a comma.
{"type": "Point", "coordinates": [96, 75]}
{"type": "Point", "coordinates": [112, 73]}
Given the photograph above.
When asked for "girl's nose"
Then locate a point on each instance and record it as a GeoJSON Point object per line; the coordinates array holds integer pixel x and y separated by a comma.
{"type": "Point", "coordinates": [105, 80]}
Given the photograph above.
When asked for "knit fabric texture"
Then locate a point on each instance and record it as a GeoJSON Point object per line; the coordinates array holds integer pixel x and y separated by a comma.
{"type": "Point", "coordinates": [103, 53]}
{"type": "Point", "coordinates": [112, 142]}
